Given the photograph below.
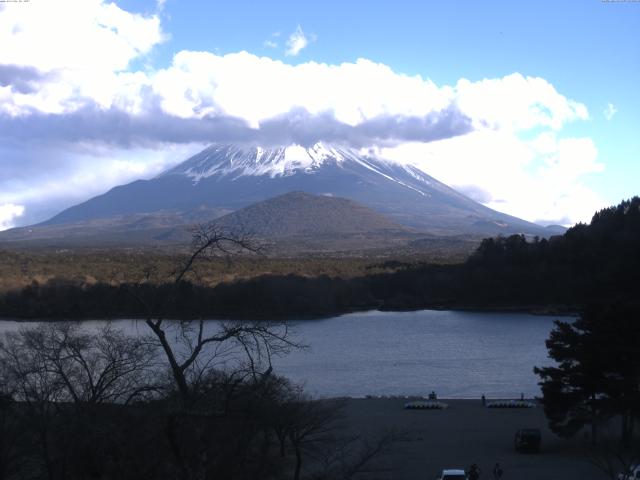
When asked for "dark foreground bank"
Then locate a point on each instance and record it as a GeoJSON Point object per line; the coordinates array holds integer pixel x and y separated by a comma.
{"type": "Point", "coordinates": [467, 433]}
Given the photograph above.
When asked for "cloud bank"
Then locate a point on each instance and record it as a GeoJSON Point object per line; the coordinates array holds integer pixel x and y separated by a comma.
{"type": "Point", "coordinates": [84, 98]}
{"type": "Point", "coordinates": [243, 97]}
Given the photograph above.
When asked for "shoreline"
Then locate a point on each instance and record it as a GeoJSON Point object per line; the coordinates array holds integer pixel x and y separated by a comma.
{"type": "Point", "coordinates": [538, 310]}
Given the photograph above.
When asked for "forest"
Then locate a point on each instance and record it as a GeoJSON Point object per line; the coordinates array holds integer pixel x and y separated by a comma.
{"type": "Point", "coordinates": [595, 262]}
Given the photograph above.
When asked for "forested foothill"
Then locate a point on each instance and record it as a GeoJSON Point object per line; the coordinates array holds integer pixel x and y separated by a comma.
{"type": "Point", "coordinates": [598, 262]}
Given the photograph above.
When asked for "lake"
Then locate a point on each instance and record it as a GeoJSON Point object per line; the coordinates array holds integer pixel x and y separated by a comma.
{"type": "Point", "coordinates": [456, 354]}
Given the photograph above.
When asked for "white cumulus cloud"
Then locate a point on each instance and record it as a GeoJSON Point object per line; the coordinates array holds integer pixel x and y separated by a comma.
{"type": "Point", "coordinates": [540, 180]}
{"type": "Point", "coordinates": [256, 88]}
{"type": "Point", "coordinates": [75, 34]}
{"type": "Point", "coordinates": [75, 51]}
{"type": "Point", "coordinates": [297, 41]}
{"type": "Point", "coordinates": [8, 213]}
{"type": "Point", "coordinates": [516, 102]}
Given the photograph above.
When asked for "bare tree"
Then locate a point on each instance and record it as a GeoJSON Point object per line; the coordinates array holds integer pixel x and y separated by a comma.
{"type": "Point", "coordinates": [197, 350]}
{"type": "Point", "coordinates": [60, 362]}
{"type": "Point", "coordinates": [191, 348]}
{"type": "Point", "coordinates": [59, 371]}
{"type": "Point", "coordinates": [36, 390]}
{"type": "Point", "coordinates": [12, 437]}
{"type": "Point", "coordinates": [311, 423]}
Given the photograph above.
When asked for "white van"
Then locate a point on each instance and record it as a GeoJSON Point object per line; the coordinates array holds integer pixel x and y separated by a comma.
{"type": "Point", "coordinates": [453, 474]}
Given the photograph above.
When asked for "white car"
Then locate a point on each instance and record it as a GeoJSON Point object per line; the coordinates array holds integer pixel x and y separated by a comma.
{"type": "Point", "coordinates": [453, 474]}
{"type": "Point", "coordinates": [632, 474]}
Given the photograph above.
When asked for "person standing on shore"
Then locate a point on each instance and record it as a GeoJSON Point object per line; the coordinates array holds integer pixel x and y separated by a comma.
{"type": "Point", "coordinates": [497, 472]}
{"type": "Point", "coordinates": [474, 472]}
{"type": "Point", "coordinates": [484, 400]}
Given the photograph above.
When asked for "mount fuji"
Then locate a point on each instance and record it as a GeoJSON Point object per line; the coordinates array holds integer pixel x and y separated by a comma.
{"type": "Point", "coordinates": [222, 181]}
{"type": "Point", "coordinates": [224, 178]}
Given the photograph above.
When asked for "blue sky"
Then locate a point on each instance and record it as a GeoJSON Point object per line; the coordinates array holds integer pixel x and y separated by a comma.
{"type": "Point", "coordinates": [577, 62]}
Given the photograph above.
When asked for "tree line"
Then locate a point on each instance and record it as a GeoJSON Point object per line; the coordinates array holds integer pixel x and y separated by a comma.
{"type": "Point", "coordinates": [595, 262]}
{"type": "Point", "coordinates": [596, 376]}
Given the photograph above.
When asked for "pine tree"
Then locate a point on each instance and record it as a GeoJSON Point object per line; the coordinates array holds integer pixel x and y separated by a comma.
{"type": "Point", "coordinates": [597, 375]}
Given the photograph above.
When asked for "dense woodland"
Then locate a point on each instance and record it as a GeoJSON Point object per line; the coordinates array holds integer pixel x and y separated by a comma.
{"type": "Point", "coordinates": [590, 263]}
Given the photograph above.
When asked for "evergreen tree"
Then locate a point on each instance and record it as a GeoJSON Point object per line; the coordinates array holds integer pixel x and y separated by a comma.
{"type": "Point", "coordinates": [597, 375]}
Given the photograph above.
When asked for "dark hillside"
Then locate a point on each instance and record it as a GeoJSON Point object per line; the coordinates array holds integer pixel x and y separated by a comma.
{"type": "Point", "coordinates": [599, 261]}
{"type": "Point", "coordinates": [303, 214]}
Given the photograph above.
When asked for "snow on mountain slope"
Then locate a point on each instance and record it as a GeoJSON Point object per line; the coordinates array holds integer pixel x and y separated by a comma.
{"type": "Point", "coordinates": [234, 176]}
{"type": "Point", "coordinates": [234, 161]}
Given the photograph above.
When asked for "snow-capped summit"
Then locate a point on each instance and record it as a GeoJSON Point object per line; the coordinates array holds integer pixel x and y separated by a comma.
{"type": "Point", "coordinates": [227, 177]}
{"type": "Point", "coordinates": [235, 160]}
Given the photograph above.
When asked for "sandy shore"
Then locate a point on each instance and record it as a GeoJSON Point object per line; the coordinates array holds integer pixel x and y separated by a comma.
{"type": "Point", "coordinates": [463, 434]}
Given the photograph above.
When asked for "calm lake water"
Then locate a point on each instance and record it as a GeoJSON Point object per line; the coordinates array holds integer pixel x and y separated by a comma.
{"type": "Point", "coordinates": [456, 354]}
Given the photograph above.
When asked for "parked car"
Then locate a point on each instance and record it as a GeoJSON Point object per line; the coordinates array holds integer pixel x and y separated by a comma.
{"type": "Point", "coordinates": [527, 440]}
{"type": "Point", "coordinates": [632, 474]}
{"type": "Point", "coordinates": [453, 474]}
